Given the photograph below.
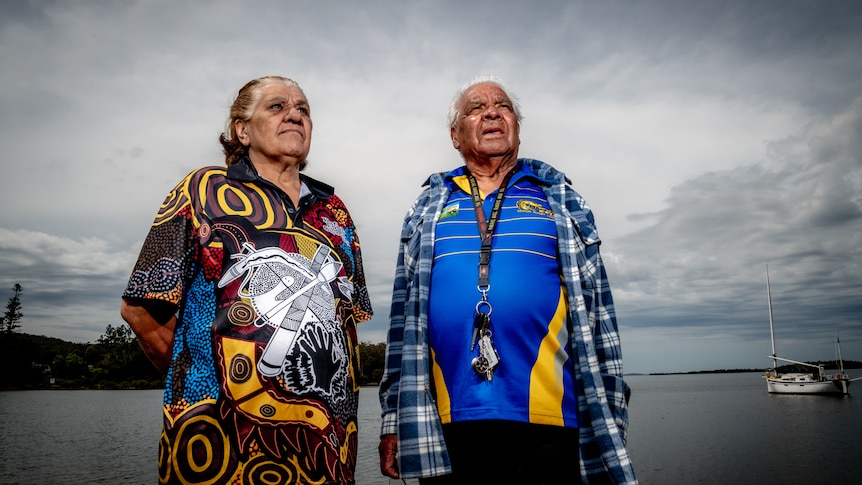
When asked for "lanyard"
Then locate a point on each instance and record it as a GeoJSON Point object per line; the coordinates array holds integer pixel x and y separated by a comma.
{"type": "Point", "coordinates": [486, 227]}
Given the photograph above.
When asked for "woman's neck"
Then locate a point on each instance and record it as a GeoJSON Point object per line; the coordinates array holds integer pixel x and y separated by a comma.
{"type": "Point", "coordinates": [284, 175]}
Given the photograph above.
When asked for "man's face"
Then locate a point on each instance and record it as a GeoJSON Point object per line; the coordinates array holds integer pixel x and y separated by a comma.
{"type": "Point", "coordinates": [486, 125]}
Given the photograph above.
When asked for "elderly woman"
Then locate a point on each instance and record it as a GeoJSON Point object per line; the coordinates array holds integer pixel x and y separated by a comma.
{"type": "Point", "coordinates": [246, 294]}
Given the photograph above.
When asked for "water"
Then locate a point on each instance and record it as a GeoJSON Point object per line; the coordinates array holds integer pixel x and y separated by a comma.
{"type": "Point", "coordinates": [691, 429]}
{"type": "Point", "coordinates": [726, 429]}
{"type": "Point", "coordinates": [79, 436]}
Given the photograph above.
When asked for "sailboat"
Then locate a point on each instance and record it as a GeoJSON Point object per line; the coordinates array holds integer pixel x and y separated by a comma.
{"type": "Point", "coordinates": [815, 382]}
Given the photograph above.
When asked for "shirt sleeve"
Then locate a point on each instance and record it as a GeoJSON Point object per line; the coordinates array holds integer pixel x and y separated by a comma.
{"type": "Point", "coordinates": [391, 381]}
{"type": "Point", "coordinates": [600, 307]}
{"type": "Point", "coordinates": [163, 265]}
{"type": "Point", "coordinates": [389, 384]}
{"type": "Point", "coordinates": [350, 246]}
{"type": "Point", "coordinates": [362, 310]}
{"type": "Point", "coordinates": [608, 349]}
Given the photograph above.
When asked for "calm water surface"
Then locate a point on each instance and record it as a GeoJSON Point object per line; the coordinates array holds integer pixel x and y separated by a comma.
{"type": "Point", "coordinates": [726, 429]}
{"type": "Point", "coordinates": [685, 429]}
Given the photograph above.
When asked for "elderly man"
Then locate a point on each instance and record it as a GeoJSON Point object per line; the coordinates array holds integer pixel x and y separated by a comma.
{"type": "Point", "coordinates": [503, 356]}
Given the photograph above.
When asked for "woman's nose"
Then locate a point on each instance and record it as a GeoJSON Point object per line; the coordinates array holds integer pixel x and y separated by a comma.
{"type": "Point", "coordinates": [293, 114]}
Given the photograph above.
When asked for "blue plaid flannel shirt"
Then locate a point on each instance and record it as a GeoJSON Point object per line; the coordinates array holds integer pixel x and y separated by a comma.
{"type": "Point", "coordinates": [408, 406]}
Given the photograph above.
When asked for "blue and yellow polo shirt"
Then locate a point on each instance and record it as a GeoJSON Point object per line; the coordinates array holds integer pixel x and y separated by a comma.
{"type": "Point", "coordinates": [534, 382]}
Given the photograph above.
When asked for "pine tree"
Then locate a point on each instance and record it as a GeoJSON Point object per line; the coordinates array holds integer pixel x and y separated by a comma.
{"type": "Point", "coordinates": [13, 311]}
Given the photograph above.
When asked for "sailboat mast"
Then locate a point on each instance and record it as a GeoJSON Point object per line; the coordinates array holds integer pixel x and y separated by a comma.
{"type": "Point", "coordinates": [840, 359]}
{"type": "Point", "coordinates": [771, 326]}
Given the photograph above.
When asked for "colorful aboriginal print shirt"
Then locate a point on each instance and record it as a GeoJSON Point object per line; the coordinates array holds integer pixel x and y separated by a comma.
{"type": "Point", "coordinates": [261, 386]}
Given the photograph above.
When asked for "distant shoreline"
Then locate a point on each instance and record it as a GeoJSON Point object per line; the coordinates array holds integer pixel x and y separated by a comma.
{"type": "Point", "coordinates": [716, 371]}
{"type": "Point", "coordinates": [848, 364]}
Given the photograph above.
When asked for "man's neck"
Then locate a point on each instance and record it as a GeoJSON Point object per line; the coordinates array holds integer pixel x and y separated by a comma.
{"type": "Point", "coordinates": [490, 173]}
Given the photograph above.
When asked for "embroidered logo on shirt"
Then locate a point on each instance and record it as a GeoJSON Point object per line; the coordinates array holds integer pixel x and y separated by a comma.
{"type": "Point", "coordinates": [532, 207]}
{"type": "Point", "coordinates": [450, 210]}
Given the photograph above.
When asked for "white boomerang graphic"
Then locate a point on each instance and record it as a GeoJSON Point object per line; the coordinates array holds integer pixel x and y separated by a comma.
{"type": "Point", "coordinates": [296, 308]}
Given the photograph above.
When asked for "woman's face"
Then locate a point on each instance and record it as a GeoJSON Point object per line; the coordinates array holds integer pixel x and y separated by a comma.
{"type": "Point", "coordinates": [280, 126]}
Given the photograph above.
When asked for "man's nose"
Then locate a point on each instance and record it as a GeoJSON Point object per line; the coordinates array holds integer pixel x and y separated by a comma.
{"type": "Point", "coordinates": [492, 112]}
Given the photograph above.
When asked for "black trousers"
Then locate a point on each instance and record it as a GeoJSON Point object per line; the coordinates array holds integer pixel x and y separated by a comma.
{"type": "Point", "coordinates": [490, 452]}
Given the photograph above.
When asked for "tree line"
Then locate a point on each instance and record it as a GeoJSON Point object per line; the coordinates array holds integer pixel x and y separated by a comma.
{"type": "Point", "coordinates": [114, 361]}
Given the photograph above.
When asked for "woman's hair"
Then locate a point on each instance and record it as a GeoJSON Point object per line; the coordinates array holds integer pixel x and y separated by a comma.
{"type": "Point", "coordinates": [242, 109]}
{"type": "Point", "coordinates": [455, 105]}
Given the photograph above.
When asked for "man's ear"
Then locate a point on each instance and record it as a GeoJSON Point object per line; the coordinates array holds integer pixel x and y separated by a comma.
{"type": "Point", "coordinates": [455, 142]}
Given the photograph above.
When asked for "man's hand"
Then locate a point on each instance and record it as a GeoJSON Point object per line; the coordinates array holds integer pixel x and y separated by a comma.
{"type": "Point", "coordinates": [388, 450]}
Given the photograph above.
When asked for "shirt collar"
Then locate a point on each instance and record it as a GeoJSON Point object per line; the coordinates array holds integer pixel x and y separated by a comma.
{"type": "Point", "coordinates": [244, 171]}
{"type": "Point", "coordinates": [457, 178]}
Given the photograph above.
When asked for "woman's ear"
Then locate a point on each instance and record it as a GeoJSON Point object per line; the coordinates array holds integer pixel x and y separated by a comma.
{"type": "Point", "coordinates": [241, 132]}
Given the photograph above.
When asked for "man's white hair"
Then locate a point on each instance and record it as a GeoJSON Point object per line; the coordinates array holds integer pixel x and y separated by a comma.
{"type": "Point", "coordinates": [455, 105]}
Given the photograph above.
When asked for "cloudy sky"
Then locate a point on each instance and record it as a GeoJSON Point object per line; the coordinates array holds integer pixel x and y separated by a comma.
{"type": "Point", "coordinates": [710, 138]}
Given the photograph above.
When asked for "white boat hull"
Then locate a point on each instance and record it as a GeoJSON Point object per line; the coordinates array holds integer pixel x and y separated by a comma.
{"type": "Point", "coordinates": [790, 386]}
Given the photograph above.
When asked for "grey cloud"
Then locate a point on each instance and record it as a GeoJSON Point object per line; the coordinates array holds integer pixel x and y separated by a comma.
{"type": "Point", "coordinates": [703, 262]}
{"type": "Point", "coordinates": [710, 138]}
{"type": "Point", "coordinates": [71, 287]}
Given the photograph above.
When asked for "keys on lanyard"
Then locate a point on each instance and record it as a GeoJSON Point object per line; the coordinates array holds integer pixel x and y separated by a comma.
{"type": "Point", "coordinates": [488, 359]}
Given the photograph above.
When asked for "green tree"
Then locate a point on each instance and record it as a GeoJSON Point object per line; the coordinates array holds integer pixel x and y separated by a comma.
{"type": "Point", "coordinates": [119, 361]}
{"type": "Point", "coordinates": [372, 360]}
{"type": "Point", "coordinates": [120, 345]}
{"type": "Point", "coordinates": [69, 367]}
{"type": "Point", "coordinates": [13, 313]}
